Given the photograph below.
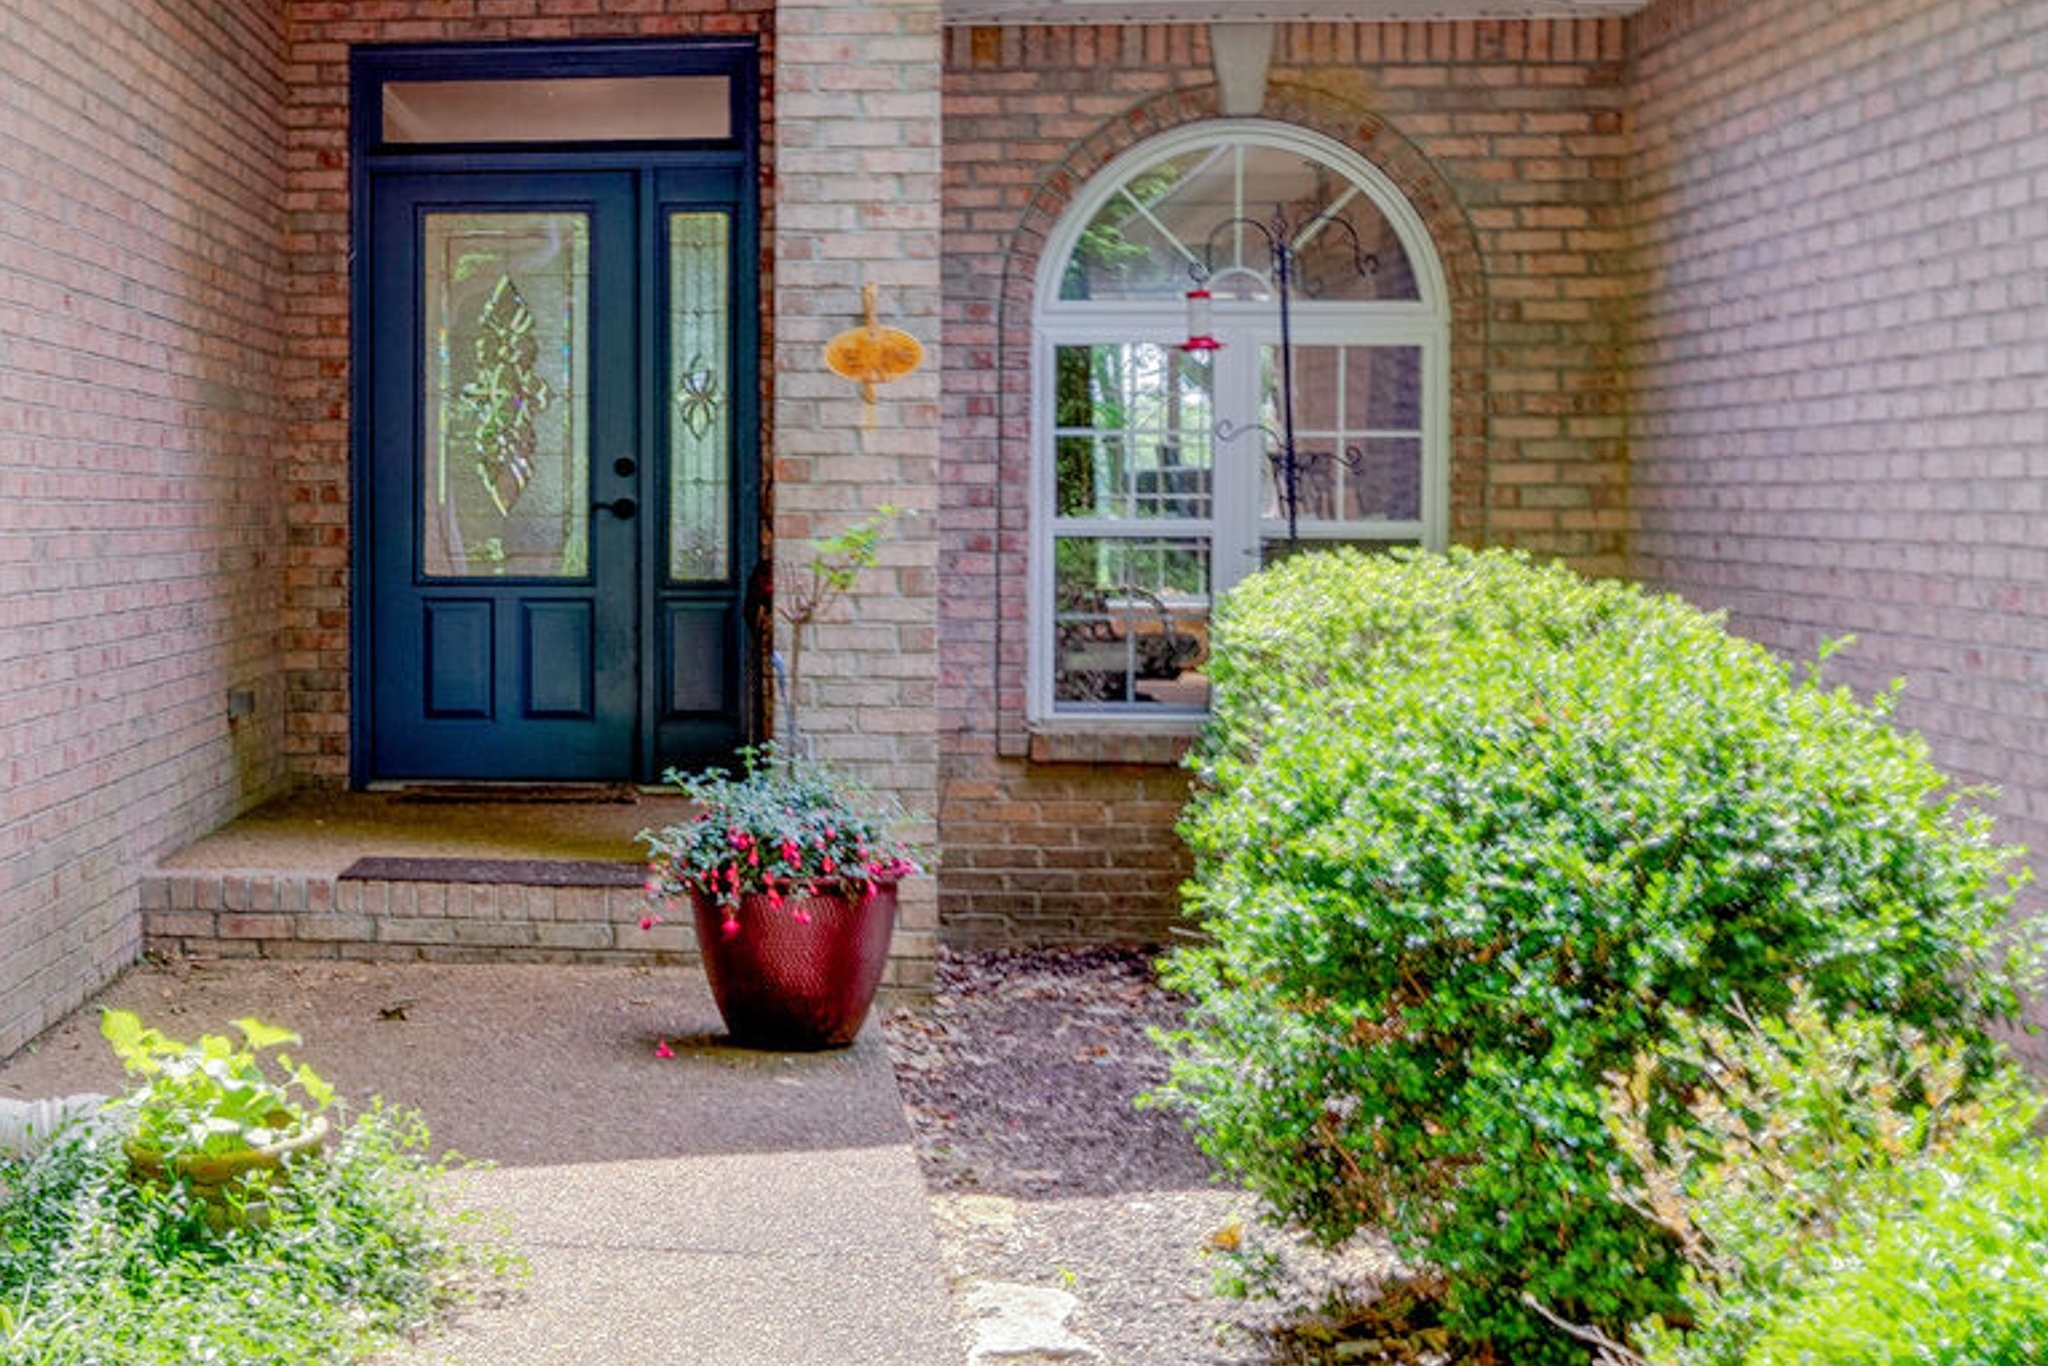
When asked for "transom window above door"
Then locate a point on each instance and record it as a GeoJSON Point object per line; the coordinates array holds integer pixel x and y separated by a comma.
{"type": "Point", "coordinates": [1159, 470]}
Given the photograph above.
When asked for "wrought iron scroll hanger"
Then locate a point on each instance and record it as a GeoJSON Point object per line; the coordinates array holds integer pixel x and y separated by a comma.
{"type": "Point", "coordinates": [1282, 241]}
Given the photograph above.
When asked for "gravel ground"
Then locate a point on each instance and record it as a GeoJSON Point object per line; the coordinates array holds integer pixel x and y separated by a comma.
{"type": "Point", "coordinates": [1019, 1079]}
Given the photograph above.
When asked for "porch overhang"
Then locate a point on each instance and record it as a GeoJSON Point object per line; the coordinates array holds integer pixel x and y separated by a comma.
{"type": "Point", "coordinates": [969, 12]}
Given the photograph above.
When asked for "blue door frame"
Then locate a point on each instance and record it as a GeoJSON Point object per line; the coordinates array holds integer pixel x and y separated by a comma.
{"type": "Point", "coordinates": [617, 669]}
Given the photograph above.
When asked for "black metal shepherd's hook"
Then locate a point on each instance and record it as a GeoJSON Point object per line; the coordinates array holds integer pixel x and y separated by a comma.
{"type": "Point", "coordinates": [1280, 238]}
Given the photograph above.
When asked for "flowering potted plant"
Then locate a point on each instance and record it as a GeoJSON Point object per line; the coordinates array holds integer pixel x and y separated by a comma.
{"type": "Point", "coordinates": [790, 868]}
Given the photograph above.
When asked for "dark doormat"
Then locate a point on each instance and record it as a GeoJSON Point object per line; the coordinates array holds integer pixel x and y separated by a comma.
{"type": "Point", "coordinates": [516, 872]}
{"type": "Point", "coordinates": [535, 794]}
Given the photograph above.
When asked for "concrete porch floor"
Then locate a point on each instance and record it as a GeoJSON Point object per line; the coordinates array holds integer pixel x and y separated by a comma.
{"type": "Point", "coordinates": [716, 1207]}
{"type": "Point", "coordinates": [322, 833]}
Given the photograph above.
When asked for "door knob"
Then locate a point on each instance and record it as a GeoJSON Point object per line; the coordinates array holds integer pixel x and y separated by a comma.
{"type": "Point", "coordinates": [621, 508]}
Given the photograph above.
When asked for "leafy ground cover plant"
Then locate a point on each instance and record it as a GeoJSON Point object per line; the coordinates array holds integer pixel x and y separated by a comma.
{"type": "Point", "coordinates": [1470, 832]}
{"type": "Point", "coordinates": [213, 1097]}
{"type": "Point", "coordinates": [1842, 1194]}
{"type": "Point", "coordinates": [353, 1249]}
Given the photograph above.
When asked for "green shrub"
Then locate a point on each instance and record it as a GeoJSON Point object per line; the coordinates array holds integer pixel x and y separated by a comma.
{"type": "Point", "coordinates": [1842, 1196]}
{"type": "Point", "coordinates": [1467, 831]}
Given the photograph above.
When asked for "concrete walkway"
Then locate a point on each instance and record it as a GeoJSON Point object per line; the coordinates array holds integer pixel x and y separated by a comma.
{"type": "Point", "coordinates": [717, 1208]}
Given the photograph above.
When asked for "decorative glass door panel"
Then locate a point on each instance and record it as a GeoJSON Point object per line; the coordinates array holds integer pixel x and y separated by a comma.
{"type": "Point", "coordinates": [507, 421]}
{"type": "Point", "coordinates": [700, 392]}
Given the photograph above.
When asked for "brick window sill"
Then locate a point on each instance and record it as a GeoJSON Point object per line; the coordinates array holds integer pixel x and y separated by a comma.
{"type": "Point", "coordinates": [1153, 748]}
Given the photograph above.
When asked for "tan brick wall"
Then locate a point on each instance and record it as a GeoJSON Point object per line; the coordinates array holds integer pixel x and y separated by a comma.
{"type": "Point", "coordinates": [1807, 243]}
{"type": "Point", "coordinates": [299, 914]}
{"type": "Point", "coordinates": [1841, 372]}
{"type": "Point", "coordinates": [857, 179]}
{"type": "Point", "coordinates": [141, 525]}
{"type": "Point", "coordinates": [1508, 137]}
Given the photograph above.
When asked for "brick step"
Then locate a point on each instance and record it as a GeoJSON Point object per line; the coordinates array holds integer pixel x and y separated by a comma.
{"type": "Point", "coordinates": [242, 913]}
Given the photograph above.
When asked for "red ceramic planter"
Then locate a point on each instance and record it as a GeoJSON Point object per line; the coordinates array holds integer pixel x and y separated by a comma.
{"type": "Point", "coordinates": [783, 983]}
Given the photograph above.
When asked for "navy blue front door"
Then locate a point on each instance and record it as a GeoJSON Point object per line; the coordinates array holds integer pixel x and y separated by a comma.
{"type": "Point", "coordinates": [559, 494]}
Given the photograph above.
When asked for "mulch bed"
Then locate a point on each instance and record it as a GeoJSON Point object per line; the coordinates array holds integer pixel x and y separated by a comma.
{"type": "Point", "coordinates": [1020, 1079]}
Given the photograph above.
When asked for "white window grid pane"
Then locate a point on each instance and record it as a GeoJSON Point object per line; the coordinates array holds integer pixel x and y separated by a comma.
{"type": "Point", "coordinates": [1131, 622]}
{"type": "Point", "coordinates": [1147, 450]}
{"type": "Point", "coordinates": [1354, 475]}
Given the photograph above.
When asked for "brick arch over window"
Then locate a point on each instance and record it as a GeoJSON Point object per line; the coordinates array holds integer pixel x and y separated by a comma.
{"type": "Point", "coordinates": [1427, 191]}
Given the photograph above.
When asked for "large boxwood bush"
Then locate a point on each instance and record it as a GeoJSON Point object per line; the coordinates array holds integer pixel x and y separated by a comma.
{"type": "Point", "coordinates": [1468, 831]}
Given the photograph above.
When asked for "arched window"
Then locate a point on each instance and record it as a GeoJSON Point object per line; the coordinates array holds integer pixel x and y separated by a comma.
{"type": "Point", "coordinates": [1158, 472]}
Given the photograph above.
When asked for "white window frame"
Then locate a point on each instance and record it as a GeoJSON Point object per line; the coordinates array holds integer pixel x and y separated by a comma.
{"type": "Point", "coordinates": [1247, 327]}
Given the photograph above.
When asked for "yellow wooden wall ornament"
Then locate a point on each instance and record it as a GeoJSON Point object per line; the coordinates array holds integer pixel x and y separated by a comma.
{"type": "Point", "coordinates": [872, 354]}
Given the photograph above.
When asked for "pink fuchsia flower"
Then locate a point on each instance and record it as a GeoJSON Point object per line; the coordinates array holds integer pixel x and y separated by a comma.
{"type": "Point", "coordinates": [648, 922]}
{"type": "Point", "coordinates": [662, 1050]}
{"type": "Point", "coordinates": [731, 927]}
